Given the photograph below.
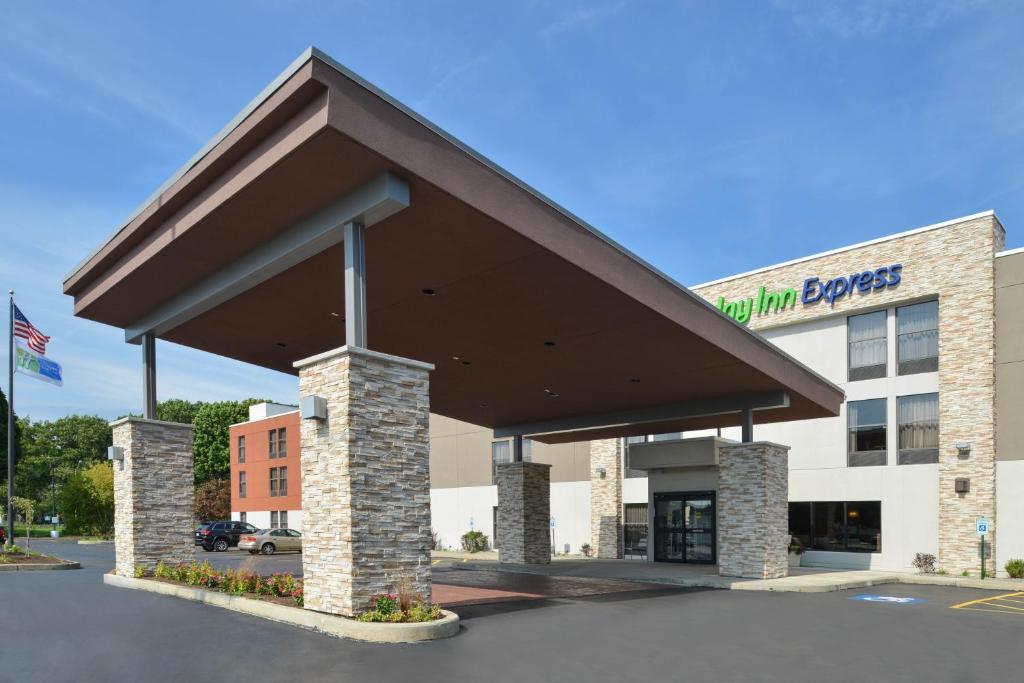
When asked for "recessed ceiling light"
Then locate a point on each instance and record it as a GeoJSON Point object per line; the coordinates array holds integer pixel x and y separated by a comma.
{"type": "Point", "coordinates": [281, 344]}
{"type": "Point", "coordinates": [465, 362]}
{"type": "Point", "coordinates": [334, 314]}
{"type": "Point", "coordinates": [483, 405]}
{"type": "Point", "coordinates": [549, 344]}
{"type": "Point", "coordinates": [428, 291]}
{"type": "Point", "coordinates": [551, 394]}
{"type": "Point", "coordinates": [456, 358]}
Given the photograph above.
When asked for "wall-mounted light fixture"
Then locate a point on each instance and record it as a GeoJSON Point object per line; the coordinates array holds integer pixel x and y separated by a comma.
{"type": "Point", "coordinates": [602, 472]}
{"type": "Point", "coordinates": [313, 408]}
{"type": "Point", "coordinates": [115, 453]}
{"type": "Point", "coordinates": [962, 485]}
{"type": "Point", "coordinates": [963, 449]}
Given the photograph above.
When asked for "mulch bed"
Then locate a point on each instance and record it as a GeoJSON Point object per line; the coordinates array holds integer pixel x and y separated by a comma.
{"type": "Point", "coordinates": [22, 558]}
{"type": "Point", "coordinates": [289, 602]}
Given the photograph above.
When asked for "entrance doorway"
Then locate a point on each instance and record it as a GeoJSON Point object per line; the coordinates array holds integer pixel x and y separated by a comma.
{"type": "Point", "coordinates": [684, 527]}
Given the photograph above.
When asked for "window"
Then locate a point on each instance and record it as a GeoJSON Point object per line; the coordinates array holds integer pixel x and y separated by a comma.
{"type": "Point", "coordinates": [917, 330]}
{"type": "Point", "coordinates": [918, 419]}
{"type": "Point", "coordinates": [272, 444]}
{"type": "Point", "coordinates": [282, 486]}
{"type": "Point", "coordinates": [273, 482]}
{"type": "Point", "coordinates": [241, 449]}
{"type": "Point", "coordinates": [273, 519]}
{"type": "Point", "coordinates": [868, 350]}
{"type": "Point", "coordinates": [848, 527]}
{"type": "Point", "coordinates": [241, 517]}
{"type": "Point", "coordinates": [501, 452]}
{"type": "Point", "coordinates": [867, 422]}
{"type": "Point", "coordinates": [241, 485]}
{"type": "Point", "coordinates": [283, 520]}
{"type": "Point", "coordinates": [634, 530]}
{"type": "Point", "coordinates": [282, 442]}
{"type": "Point", "coordinates": [527, 450]}
{"type": "Point", "coordinates": [669, 436]}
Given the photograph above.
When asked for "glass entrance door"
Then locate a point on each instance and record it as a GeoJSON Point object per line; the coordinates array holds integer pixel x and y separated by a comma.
{"type": "Point", "coordinates": [684, 527]}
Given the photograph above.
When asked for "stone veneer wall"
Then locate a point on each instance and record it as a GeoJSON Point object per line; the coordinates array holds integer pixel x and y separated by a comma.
{"type": "Point", "coordinates": [753, 510]}
{"type": "Point", "coordinates": [153, 494]}
{"type": "Point", "coordinates": [365, 479]}
{"type": "Point", "coordinates": [524, 513]}
{"type": "Point", "coordinates": [954, 263]}
{"type": "Point", "coordinates": [606, 498]}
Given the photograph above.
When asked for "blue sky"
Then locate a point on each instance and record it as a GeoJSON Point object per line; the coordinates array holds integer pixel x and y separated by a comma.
{"type": "Point", "coordinates": [708, 138]}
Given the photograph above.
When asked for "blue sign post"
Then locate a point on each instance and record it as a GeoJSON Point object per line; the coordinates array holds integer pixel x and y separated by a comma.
{"type": "Point", "coordinates": [981, 526]}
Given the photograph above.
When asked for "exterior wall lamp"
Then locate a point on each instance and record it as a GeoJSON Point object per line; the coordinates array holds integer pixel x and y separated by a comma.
{"type": "Point", "coordinates": [115, 453]}
{"type": "Point", "coordinates": [963, 449]}
{"type": "Point", "coordinates": [313, 408]}
{"type": "Point", "coordinates": [602, 472]}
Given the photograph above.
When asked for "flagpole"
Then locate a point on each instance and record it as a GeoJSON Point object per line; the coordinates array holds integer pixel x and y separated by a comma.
{"type": "Point", "coordinates": [10, 423]}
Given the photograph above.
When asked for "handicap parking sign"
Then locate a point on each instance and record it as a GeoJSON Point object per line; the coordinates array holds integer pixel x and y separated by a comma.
{"type": "Point", "coordinates": [891, 599]}
{"type": "Point", "coordinates": [982, 526]}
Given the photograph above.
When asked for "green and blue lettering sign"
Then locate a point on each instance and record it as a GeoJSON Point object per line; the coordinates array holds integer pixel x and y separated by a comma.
{"type": "Point", "coordinates": [814, 290]}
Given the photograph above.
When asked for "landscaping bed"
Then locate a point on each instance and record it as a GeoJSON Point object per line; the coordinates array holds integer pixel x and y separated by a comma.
{"type": "Point", "coordinates": [14, 558]}
{"type": "Point", "coordinates": [392, 619]}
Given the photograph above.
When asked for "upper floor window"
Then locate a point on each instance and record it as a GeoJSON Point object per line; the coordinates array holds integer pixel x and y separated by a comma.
{"type": "Point", "coordinates": [501, 452]}
{"type": "Point", "coordinates": [273, 482]}
{"type": "Point", "coordinates": [282, 486]}
{"type": "Point", "coordinates": [917, 331]}
{"type": "Point", "coordinates": [527, 450]}
{"type": "Point", "coordinates": [867, 433]}
{"type": "Point", "coordinates": [918, 418]}
{"type": "Point", "coordinates": [241, 485]}
{"type": "Point", "coordinates": [866, 334]}
{"type": "Point", "coordinates": [272, 444]}
{"type": "Point", "coordinates": [241, 449]}
{"type": "Point", "coordinates": [282, 442]}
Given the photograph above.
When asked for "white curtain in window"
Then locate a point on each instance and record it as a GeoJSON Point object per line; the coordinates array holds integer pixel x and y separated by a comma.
{"type": "Point", "coordinates": [867, 339]}
{"type": "Point", "coordinates": [918, 331]}
{"type": "Point", "coordinates": [919, 421]}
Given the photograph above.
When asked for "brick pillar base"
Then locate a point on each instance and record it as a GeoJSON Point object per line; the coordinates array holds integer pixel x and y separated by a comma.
{"type": "Point", "coordinates": [365, 479]}
{"type": "Point", "coordinates": [753, 510]}
{"type": "Point", "coordinates": [524, 513]}
{"type": "Point", "coordinates": [153, 494]}
{"type": "Point", "coordinates": [606, 498]}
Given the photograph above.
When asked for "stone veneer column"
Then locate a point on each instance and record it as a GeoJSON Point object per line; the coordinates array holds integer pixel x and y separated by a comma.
{"type": "Point", "coordinates": [524, 513]}
{"type": "Point", "coordinates": [365, 479]}
{"type": "Point", "coordinates": [606, 498]}
{"type": "Point", "coordinates": [153, 494]}
{"type": "Point", "coordinates": [753, 510]}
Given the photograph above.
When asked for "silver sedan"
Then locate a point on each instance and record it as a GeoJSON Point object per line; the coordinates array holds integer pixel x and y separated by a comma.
{"type": "Point", "coordinates": [270, 541]}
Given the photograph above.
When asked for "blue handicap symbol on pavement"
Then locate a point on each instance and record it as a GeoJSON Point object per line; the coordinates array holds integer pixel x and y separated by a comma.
{"type": "Point", "coordinates": [892, 599]}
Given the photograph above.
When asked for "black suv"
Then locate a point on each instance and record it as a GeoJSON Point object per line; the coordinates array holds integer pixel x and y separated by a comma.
{"type": "Point", "coordinates": [220, 536]}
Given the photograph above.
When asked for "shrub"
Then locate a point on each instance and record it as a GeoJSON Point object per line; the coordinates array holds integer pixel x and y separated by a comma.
{"type": "Point", "coordinates": [140, 571]}
{"type": "Point", "coordinates": [387, 607]}
{"type": "Point", "coordinates": [87, 501]}
{"type": "Point", "coordinates": [1015, 568]}
{"type": "Point", "coordinates": [586, 550]}
{"type": "Point", "coordinates": [942, 572]}
{"type": "Point", "coordinates": [965, 573]}
{"type": "Point", "coordinates": [212, 500]}
{"type": "Point", "coordinates": [474, 541]}
{"type": "Point", "coordinates": [795, 546]}
{"type": "Point", "coordinates": [924, 563]}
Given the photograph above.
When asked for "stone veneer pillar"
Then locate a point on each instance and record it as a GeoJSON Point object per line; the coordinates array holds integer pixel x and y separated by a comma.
{"type": "Point", "coordinates": [153, 494]}
{"type": "Point", "coordinates": [753, 510]}
{"type": "Point", "coordinates": [606, 498]}
{"type": "Point", "coordinates": [524, 513]}
{"type": "Point", "coordinates": [365, 479]}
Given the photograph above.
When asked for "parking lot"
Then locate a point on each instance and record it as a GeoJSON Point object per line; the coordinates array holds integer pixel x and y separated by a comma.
{"type": "Point", "coordinates": [69, 626]}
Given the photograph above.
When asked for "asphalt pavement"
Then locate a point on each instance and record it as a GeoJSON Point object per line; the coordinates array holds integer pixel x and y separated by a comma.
{"type": "Point", "coordinates": [68, 626]}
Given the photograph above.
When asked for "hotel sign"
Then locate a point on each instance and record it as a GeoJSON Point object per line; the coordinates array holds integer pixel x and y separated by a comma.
{"type": "Point", "coordinates": [814, 290]}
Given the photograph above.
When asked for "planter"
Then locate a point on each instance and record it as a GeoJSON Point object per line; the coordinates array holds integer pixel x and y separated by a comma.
{"type": "Point", "coordinates": [330, 624]}
{"type": "Point", "coordinates": [794, 559]}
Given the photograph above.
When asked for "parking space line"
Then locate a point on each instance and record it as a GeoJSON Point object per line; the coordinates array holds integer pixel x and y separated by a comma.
{"type": "Point", "coordinates": [979, 601]}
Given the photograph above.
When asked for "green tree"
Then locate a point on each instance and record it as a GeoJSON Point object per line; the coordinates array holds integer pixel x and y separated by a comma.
{"type": "Point", "coordinates": [26, 507]}
{"type": "Point", "coordinates": [66, 445]}
{"type": "Point", "coordinates": [213, 500]}
{"type": "Point", "coordinates": [177, 410]}
{"type": "Point", "coordinates": [211, 446]}
{"type": "Point", "coordinates": [3, 443]}
{"type": "Point", "coordinates": [87, 501]}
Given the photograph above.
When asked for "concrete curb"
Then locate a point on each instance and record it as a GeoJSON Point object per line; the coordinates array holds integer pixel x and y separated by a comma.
{"type": "Point", "coordinates": [329, 624]}
{"type": "Point", "coordinates": [64, 564]}
{"type": "Point", "coordinates": [81, 542]}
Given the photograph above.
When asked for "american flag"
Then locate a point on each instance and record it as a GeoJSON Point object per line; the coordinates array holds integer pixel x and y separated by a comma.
{"type": "Point", "coordinates": [35, 339]}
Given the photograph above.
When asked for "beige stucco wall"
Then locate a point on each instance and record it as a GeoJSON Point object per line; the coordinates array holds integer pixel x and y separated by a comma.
{"type": "Point", "coordinates": [1010, 356]}
{"type": "Point", "coordinates": [460, 455]}
{"type": "Point", "coordinates": [955, 264]}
